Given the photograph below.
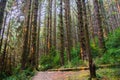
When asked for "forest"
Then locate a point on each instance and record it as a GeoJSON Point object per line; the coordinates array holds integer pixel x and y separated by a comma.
{"type": "Point", "coordinates": [59, 39]}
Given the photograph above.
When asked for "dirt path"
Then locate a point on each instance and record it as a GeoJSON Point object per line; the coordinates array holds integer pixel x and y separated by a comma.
{"type": "Point", "coordinates": [58, 75]}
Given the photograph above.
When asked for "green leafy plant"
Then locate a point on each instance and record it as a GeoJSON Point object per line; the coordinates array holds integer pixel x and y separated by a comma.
{"type": "Point", "coordinates": [112, 54]}
{"type": "Point", "coordinates": [50, 60]}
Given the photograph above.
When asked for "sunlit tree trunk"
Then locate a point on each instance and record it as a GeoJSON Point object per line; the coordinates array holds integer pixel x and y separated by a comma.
{"type": "Point", "coordinates": [54, 28]}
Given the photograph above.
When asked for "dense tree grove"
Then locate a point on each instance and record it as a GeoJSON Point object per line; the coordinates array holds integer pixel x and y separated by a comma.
{"type": "Point", "coordinates": [46, 34]}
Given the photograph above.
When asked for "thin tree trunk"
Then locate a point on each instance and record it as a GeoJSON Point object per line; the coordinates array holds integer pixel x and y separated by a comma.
{"type": "Point", "coordinates": [54, 28]}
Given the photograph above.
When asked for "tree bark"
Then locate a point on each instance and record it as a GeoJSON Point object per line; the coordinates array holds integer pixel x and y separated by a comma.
{"type": "Point", "coordinates": [34, 35]}
{"type": "Point", "coordinates": [83, 54]}
{"type": "Point", "coordinates": [25, 53]}
{"type": "Point", "coordinates": [2, 9]}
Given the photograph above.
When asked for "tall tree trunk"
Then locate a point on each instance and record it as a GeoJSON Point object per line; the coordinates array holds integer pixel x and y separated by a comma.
{"type": "Point", "coordinates": [1, 43]}
{"type": "Point", "coordinates": [68, 29]}
{"type": "Point", "coordinates": [4, 54]}
{"type": "Point", "coordinates": [38, 34]}
{"type": "Point", "coordinates": [46, 35]}
{"type": "Point", "coordinates": [2, 8]}
{"type": "Point", "coordinates": [91, 25]}
{"type": "Point", "coordinates": [118, 5]}
{"type": "Point", "coordinates": [99, 24]}
{"type": "Point", "coordinates": [54, 28]}
{"type": "Point", "coordinates": [25, 53]}
{"type": "Point", "coordinates": [82, 31]}
{"type": "Point", "coordinates": [61, 34]}
{"type": "Point", "coordinates": [34, 35]}
{"type": "Point", "coordinates": [104, 22]}
{"type": "Point", "coordinates": [50, 26]}
{"type": "Point", "coordinates": [2, 34]}
{"type": "Point", "coordinates": [47, 29]}
{"type": "Point", "coordinates": [88, 50]}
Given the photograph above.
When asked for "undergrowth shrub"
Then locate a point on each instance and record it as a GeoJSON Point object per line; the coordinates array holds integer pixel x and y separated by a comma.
{"type": "Point", "coordinates": [23, 75]}
{"type": "Point", "coordinates": [51, 60]}
{"type": "Point", "coordinates": [18, 74]}
{"type": "Point", "coordinates": [95, 51]}
{"type": "Point", "coordinates": [109, 73]}
{"type": "Point", "coordinates": [75, 58]}
{"type": "Point", "coordinates": [112, 54]}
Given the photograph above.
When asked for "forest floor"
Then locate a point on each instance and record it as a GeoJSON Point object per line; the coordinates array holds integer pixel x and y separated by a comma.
{"type": "Point", "coordinates": [62, 75]}
{"type": "Point", "coordinates": [102, 74]}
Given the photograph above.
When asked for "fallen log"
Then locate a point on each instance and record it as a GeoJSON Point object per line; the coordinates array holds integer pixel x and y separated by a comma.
{"type": "Point", "coordinates": [84, 68]}
{"type": "Point", "coordinates": [70, 69]}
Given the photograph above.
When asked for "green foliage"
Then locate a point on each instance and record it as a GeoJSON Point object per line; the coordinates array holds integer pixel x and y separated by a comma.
{"type": "Point", "coordinates": [113, 46]}
{"type": "Point", "coordinates": [23, 75]}
{"type": "Point", "coordinates": [113, 41]}
{"type": "Point", "coordinates": [112, 54]}
{"type": "Point", "coordinates": [95, 51]}
{"type": "Point", "coordinates": [75, 58]}
{"type": "Point", "coordinates": [18, 74]}
{"type": "Point", "coordinates": [109, 73]}
{"type": "Point", "coordinates": [51, 60]}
